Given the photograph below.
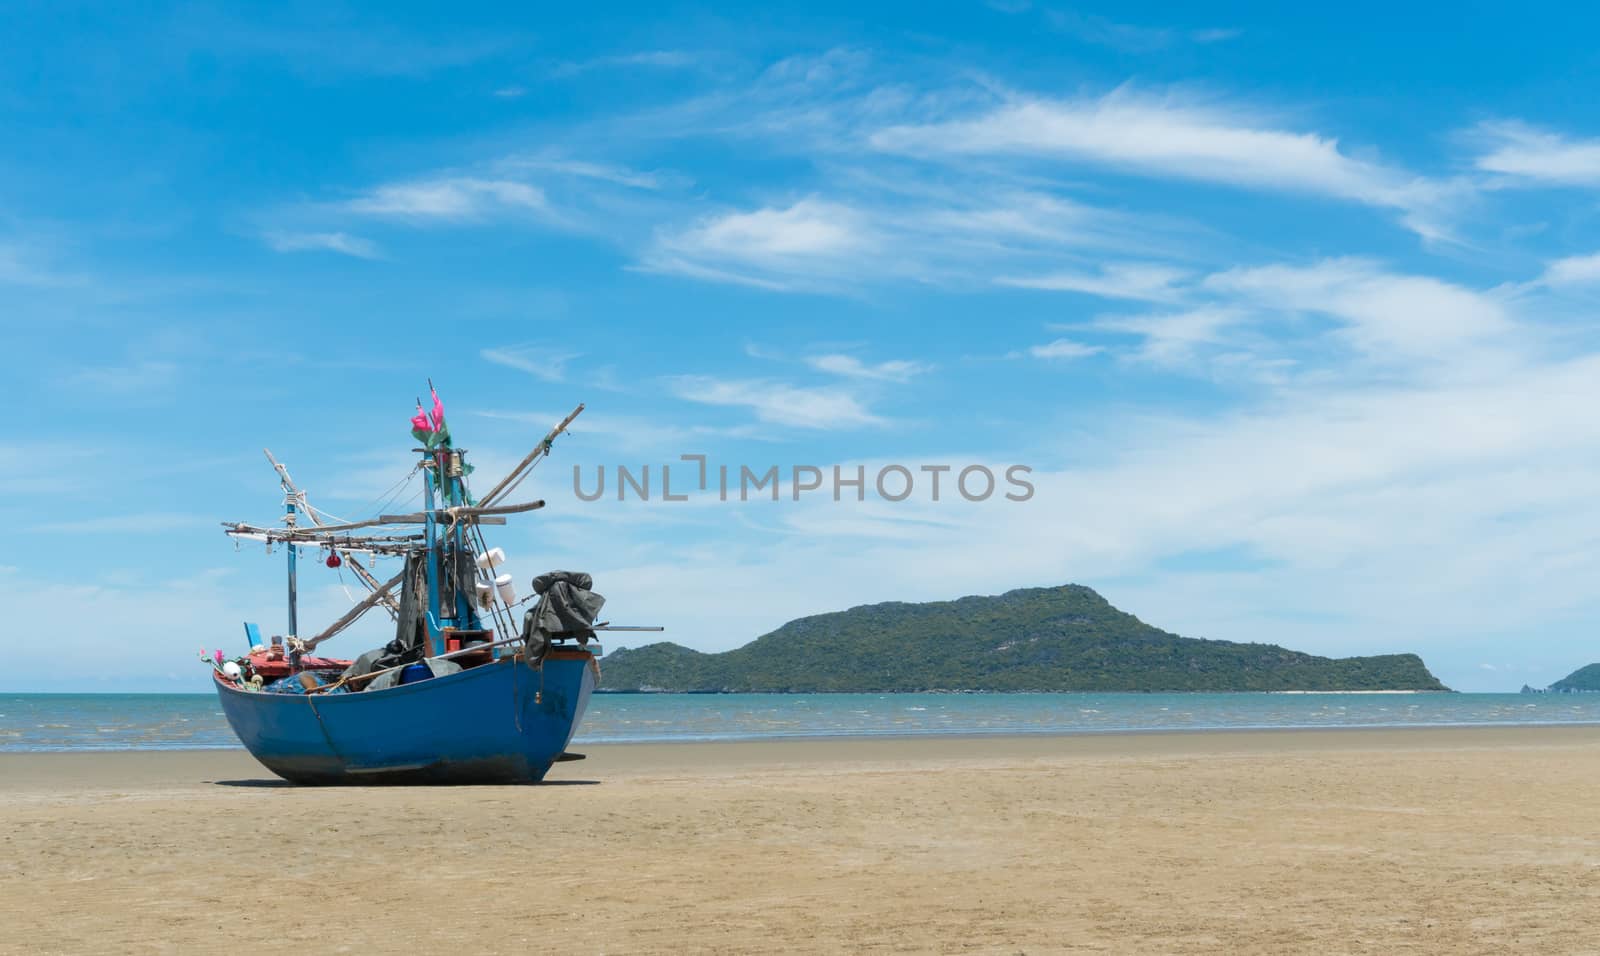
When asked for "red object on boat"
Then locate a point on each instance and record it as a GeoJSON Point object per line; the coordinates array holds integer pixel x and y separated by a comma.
{"type": "Point", "coordinates": [334, 560]}
{"type": "Point", "coordinates": [270, 669]}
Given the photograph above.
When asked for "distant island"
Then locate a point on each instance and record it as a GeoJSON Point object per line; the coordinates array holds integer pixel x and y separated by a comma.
{"type": "Point", "coordinates": [1584, 680]}
{"type": "Point", "coordinates": [1066, 638]}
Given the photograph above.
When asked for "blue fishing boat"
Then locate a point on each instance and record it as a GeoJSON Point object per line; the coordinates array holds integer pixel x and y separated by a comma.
{"type": "Point", "coordinates": [463, 694]}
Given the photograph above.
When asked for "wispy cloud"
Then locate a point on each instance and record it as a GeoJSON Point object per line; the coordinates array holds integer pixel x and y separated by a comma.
{"type": "Point", "coordinates": [1527, 154]}
{"type": "Point", "coordinates": [1262, 323]}
{"type": "Point", "coordinates": [456, 199]}
{"type": "Point", "coordinates": [649, 59]}
{"type": "Point", "coordinates": [1573, 270]}
{"type": "Point", "coordinates": [888, 229]}
{"type": "Point", "coordinates": [778, 403]}
{"type": "Point", "coordinates": [543, 362]}
{"type": "Point", "coordinates": [1064, 349]}
{"type": "Point", "coordinates": [848, 366]}
{"type": "Point", "coordinates": [340, 242]}
{"type": "Point", "coordinates": [585, 169]}
{"type": "Point", "coordinates": [1141, 281]}
{"type": "Point", "coordinates": [1169, 137]}
{"type": "Point", "coordinates": [1176, 338]}
{"type": "Point", "coordinates": [1381, 313]}
{"type": "Point", "coordinates": [1128, 37]}
{"type": "Point", "coordinates": [803, 244]}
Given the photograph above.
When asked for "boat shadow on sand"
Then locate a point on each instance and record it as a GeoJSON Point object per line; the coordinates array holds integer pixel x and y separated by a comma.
{"type": "Point", "coordinates": [270, 783]}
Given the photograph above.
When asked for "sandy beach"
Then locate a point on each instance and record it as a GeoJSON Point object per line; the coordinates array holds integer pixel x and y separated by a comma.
{"type": "Point", "coordinates": [1373, 841]}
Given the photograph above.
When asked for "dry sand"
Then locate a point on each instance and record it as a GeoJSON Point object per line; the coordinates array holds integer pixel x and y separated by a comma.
{"type": "Point", "coordinates": [1383, 841]}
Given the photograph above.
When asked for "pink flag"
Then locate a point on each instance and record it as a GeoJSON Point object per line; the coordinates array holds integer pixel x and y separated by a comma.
{"type": "Point", "coordinates": [438, 408]}
{"type": "Point", "coordinates": [419, 422]}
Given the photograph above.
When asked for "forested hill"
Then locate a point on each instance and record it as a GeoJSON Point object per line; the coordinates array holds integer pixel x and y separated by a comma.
{"type": "Point", "coordinates": [1583, 679]}
{"type": "Point", "coordinates": [1034, 639]}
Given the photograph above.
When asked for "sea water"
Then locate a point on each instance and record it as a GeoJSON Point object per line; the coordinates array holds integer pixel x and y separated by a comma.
{"type": "Point", "coordinates": [99, 722]}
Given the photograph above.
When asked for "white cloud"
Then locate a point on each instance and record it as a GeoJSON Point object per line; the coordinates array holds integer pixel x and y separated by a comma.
{"type": "Point", "coordinates": [778, 403]}
{"type": "Point", "coordinates": [807, 229]}
{"type": "Point", "coordinates": [458, 198]}
{"type": "Point", "coordinates": [809, 242]}
{"type": "Point", "coordinates": [340, 242]}
{"type": "Point", "coordinates": [604, 172]}
{"type": "Point", "coordinates": [1142, 281]}
{"type": "Point", "coordinates": [899, 229]}
{"type": "Point", "coordinates": [1170, 138]}
{"type": "Point", "coordinates": [1383, 314]}
{"type": "Point", "coordinates": [1064, 349]}
{"type": "Point", "coordinates": [1174, 339]}
{"type": "Point", "coordinates": [1524, 152]}
{"type": "Point", "coordinates": [1573, 270]}
{"type": "Point", "coordinates": [894, 370]}
{"type": "Point", "coordinates": [544, 362]}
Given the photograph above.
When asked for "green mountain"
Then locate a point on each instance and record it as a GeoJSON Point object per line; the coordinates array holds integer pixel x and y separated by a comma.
{"type": "Point", "coordinates": [1034, 639]}
{"type": "Point", "coordinates": [1584, 678]}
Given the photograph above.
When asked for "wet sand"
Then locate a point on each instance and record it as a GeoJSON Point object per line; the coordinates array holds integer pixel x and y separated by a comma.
{"type": "Point", "coordinates": [1368, 841]}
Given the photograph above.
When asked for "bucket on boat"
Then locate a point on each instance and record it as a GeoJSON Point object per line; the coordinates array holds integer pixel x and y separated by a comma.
{"type": "Point", "coordinates": [508, 591]}
{"type": "Point", "coordinates": [485, 594]}
{"type": "Point", "coordinates": [491, 559]}
{"type": "Point", "coordinates": [414, 673]}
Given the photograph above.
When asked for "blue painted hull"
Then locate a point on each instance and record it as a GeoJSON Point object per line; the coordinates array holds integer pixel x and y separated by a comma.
{"type": "Point", "coordinates": [503, 722]}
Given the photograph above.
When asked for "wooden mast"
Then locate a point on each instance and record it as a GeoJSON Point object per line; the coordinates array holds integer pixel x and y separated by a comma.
{"type": "Point", "coordinates": [289, 519]}
{"type": "Point", "coordinates": [543, 448]}
{"type": "Point", "coordinates": [356, 566]}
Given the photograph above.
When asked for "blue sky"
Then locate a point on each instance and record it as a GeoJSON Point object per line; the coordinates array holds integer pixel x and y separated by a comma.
{"type": "Point", "coordinates": [1291, 316]}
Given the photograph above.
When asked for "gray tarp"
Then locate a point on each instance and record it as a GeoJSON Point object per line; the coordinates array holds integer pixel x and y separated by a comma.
{"type": "Point", "coordinates": [566, 608]}
{"type": "Point", "coordinates": [380, 658]}
{"type": "Point", "coordinates": [437, 667]}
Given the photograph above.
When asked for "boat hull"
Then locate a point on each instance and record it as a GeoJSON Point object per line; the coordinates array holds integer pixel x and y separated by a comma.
{"type": "Point", "coordinates": [499, 723]}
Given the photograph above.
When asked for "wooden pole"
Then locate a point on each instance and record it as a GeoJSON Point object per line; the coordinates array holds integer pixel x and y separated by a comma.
{"type": "Point", "coordinates": [455, 515]}
{"type": "Point", "coordinates": [538, 450]}
{"type": "Point", "coordinates": [354, 613]}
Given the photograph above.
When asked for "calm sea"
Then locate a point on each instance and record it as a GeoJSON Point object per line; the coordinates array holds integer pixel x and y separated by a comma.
{"type": "Point", "coordinates": [50, 722]}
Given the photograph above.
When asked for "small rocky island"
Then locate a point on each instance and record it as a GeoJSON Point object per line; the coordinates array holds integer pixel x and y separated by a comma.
{"type": "Point", "coordinates": [1584, 680]}
{"type": "Point", "coordinates": [1066, 638]}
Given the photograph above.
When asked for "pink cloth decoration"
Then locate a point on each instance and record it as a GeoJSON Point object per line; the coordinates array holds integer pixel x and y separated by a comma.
{"type": "Point", "coordinates": [438, 409]}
